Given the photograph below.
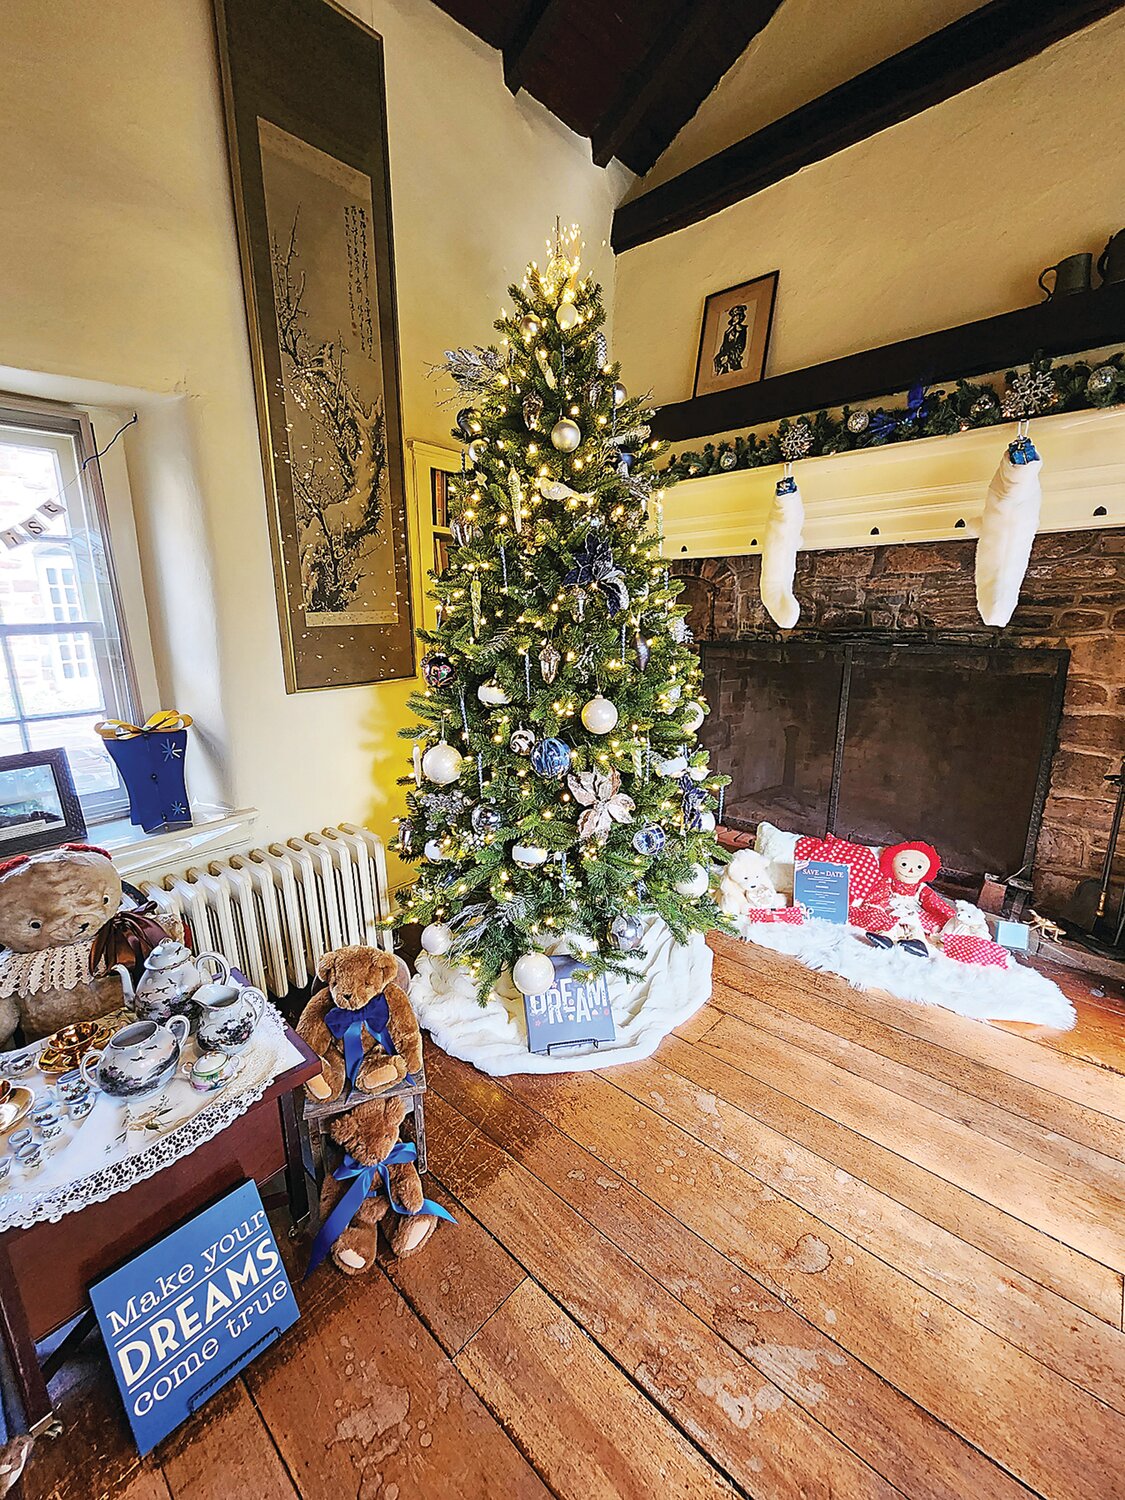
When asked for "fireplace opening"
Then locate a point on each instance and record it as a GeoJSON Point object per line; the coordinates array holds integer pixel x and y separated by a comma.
{"type": "Point", "coordinates": [885, 741]}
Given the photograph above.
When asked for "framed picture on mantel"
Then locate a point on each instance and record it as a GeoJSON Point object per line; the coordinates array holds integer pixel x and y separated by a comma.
{"type": "Point", "coordinates": [303, 86]}
{"type": "Point", "coordinates": [735, 336]}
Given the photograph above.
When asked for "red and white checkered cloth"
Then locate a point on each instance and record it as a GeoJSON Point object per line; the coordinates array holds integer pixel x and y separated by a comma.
{"type": "Point", "coordinates": [791, 914]}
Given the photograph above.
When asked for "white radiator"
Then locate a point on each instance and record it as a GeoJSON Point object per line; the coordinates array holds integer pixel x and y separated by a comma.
{"type": "Point", "coordinates": [273, 912]}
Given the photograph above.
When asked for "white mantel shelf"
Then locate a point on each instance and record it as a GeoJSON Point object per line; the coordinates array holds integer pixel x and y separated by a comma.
{"type": "Point", "coordinates": [912, 492]}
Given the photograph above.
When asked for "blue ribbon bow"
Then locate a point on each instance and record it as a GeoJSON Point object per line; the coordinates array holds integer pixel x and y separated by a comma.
{"type": "Point", "coordinates": [694, 801]}
{"type": "Point", "coordinates": [882, 424]}
{"type": "Point", "coordinates": [363, 1185]}
{"type": "Point", "coordinates": [348, 1026]}
{"type": "Point", "coordinates": [594, 567]}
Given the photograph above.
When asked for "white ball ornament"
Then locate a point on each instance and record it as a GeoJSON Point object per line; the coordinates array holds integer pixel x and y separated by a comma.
{"type": "Point", "coordinates": [694, 717]}
{"type": "Point", "coordinates": [533, 974]}
{"type": "Point", "coordinates": [599, 715]}
{"type": "Point", "coordinates": [476, 450]}
{"type": "Point", "coordinates": [433, 851]}
{"type": "Point", "coordinates": [566, 316]}
{"type": "Point", "coordinates": [620, 394]}
{"type": "Point", "coordinates": [694, 884]}
{"type": "Point", "coordinates": [528, 856]}
{"type": "Point", "coordinates": [706, 822]}
{"type": "Point", "coordinates": [437, 938]}
{"type": "Point", "coordinates": [441, 763]}
{"type": "Point", "coordinates": [492, 695]}
{"type": "Point", "coordinates": [566, 435]}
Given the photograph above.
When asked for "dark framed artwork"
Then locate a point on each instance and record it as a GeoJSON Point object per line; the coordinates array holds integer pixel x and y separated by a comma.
{"type": "Point", "coordinates": [39, 808]}
{"type": "Point", "coordinates": [304, 90]}
{"type": "Point", "coordinates": [734, 337]}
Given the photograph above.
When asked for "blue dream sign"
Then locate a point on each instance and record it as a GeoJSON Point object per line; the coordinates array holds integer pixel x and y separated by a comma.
{"type": "Point", "coordinates": [187, 1314]}
{"type": "Point", "coordinates": [575, 1009]}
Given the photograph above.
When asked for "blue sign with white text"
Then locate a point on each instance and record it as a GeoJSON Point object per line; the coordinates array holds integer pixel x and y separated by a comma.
{"type": "Point", "coordinates": [187, 1314]}
{"type": "Point", "coordinates": [575, 1009]}
{"type": "Point", "coordinates": [821, 888]}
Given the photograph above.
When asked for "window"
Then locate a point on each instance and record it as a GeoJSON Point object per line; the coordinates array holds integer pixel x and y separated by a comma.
{"type": "Point", "coordinates": [64, 659]}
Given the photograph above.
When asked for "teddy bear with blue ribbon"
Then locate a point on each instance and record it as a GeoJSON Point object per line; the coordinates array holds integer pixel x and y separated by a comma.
{"type": "Point", "coordinates": [376, 1183]}
{"type": "Point", "coordinates": [360, 1024]}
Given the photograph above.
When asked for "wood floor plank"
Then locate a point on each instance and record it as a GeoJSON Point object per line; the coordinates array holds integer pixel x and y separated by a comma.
{"type": "Point", "coordinates": [1042, 1258]}
{"type": "Point", "coordinates": [702, 1097]}
{"type": "Point", "coordinates": [459, 1280]}
{"type": "Point", "coordinates": [964, 1374]}
{"type": "Point", "coordinates": [742, 991]}
{"type": "Point", "coordinates": [753, 1431]}
{"type": "Point", "coordinates": [1096, 1088]}
{"type": "Point", "coordinates": [586, 1429]}
{"type": "Point", "coordinates": [361, 1399]}
{"type": "Point", "coordinates": [908, 1446]}
{"type": "Point", "coordinates": [1037, 1194]}
{"type": "Point", "coordinates": [228, 1447]}
{"type": "Point", "coordinates": [697, 1025]}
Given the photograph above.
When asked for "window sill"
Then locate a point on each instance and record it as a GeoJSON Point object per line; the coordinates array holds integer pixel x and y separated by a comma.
{"type": "Point", "coordinates": [136, 854]}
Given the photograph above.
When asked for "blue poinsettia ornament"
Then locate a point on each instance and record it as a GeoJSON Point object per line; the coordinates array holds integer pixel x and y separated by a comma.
{"type": "Point", "coordinates": [594, 567]}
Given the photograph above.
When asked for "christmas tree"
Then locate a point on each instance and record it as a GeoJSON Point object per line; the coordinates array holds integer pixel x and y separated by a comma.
{"type": "Point", "coordinates": [557, 787]}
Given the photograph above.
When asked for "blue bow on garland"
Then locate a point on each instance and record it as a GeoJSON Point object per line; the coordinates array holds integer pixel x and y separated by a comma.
{"type": "Point", "coordinates": [364, 1185]}
{"type": "Point", "coordinates": [695, 799]}
{"type": "Point", "coordinates": [883, 424]}
{"type": "Point", "coordinates": [594, 567]}
{"type": "Point", "coordinates": [348, 1026]}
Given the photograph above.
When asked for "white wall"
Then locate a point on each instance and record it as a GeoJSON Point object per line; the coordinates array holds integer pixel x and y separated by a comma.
{"type": "Point", "coordinates": [118, 268]}
{"type": "Point", "coordinates": [942, 219]}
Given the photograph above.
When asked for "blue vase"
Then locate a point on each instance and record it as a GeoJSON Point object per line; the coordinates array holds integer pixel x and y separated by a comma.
{"type": "Point", "coordinates": [151, 764]}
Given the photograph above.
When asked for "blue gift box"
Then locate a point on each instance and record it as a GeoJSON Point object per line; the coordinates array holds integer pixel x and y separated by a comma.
{"type": "Point", "coordinates": [151, 764]}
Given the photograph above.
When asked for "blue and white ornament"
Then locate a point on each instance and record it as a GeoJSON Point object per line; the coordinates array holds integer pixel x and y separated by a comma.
{"type": "Point", "coordinates": [551, 757]}
{"type": "Point", "coordinates": [627, 932]}
{"type": "Point", "coordinates": [650, 840]}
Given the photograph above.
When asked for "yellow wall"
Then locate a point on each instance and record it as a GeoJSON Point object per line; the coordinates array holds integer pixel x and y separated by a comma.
{"type": "Point", "coordinates": [942, 219]}
{"type": "Point", "coordinates": [118, 269]}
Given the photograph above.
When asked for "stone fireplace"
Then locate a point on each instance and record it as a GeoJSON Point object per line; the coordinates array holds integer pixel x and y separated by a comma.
{"type": "Point", "coordinates": [917, 600]}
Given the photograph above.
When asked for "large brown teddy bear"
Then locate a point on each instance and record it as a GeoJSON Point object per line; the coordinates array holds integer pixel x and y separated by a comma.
{"type": "Point", "coordinates": [369, 1133]}
{"type": "Point", "coordinates": [349, 1022]}
{"type": "Point", "coordinates": [60, 926]}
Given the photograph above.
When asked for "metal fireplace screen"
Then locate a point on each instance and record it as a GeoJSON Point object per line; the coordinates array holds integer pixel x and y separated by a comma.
{"type": "Point", "coordinates": [880, 743]}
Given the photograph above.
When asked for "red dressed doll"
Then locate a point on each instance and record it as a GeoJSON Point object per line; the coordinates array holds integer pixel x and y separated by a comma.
{"type": "Point", "coordinates": [892, 901]}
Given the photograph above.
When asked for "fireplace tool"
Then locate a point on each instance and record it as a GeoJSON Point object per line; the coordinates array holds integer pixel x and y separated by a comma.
{"type": "Point", "coordinates": [1089, 906]}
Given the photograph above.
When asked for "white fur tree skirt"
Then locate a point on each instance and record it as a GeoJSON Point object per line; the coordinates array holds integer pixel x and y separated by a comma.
{"type": "Point", "coordinates": [1017, 993]}
{"type": "Point", "coordinates": [675, 980]}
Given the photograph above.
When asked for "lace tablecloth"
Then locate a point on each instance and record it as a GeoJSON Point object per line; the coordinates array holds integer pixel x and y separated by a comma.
{"type": "Point", "coordinates": [119, 1144]}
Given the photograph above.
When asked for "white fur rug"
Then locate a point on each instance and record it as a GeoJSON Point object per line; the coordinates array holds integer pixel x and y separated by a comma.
{"type": "Point", "coordinates": [1017, 993]}
{"type": "Point", "coordinates": [675, 982]}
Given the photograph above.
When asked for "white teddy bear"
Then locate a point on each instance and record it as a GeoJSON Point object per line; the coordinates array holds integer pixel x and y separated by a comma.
{"type": "Point", "coordinates": [746, 885]}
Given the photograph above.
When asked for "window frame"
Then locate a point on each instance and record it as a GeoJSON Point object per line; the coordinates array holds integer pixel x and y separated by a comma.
{"type": "Point", "coordinates": [63, 425]}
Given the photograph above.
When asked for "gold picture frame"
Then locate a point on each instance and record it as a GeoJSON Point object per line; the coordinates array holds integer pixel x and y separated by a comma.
{"type": "Point", "coordinates": [734, 335]}
{"type": "Point", "coordinates": [307, 138]}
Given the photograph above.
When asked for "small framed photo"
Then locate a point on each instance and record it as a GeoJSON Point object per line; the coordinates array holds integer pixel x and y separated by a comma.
{"type": "Point", "coordinates": [39, 808]}
{"type": "Point", "coordinates": [735, 335]}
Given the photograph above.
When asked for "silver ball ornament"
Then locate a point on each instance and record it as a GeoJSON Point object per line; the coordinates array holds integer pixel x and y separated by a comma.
{"type": "Point", "coordinates": [486, 818]}
{"type": "Point", "coordinates": [433, 851]}
{"type": "Point", "coordinates": [476, 450]}
{"type": "Point", "coordinates": [620, 394]}
{"type": "Point", "coordinates": [566, 435]}
{"type": "Point", "coordinates": [627, 932]}
{"type": "Point", "coordinates": [528, 856]}
{"type": "Point", "coordinates": [529, 327]}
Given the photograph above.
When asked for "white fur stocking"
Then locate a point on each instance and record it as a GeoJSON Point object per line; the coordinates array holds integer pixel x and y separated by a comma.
{"type": "Point", "coordinates": [1007, 530]}
{"type": "Point", "coordinates": [779, 554]}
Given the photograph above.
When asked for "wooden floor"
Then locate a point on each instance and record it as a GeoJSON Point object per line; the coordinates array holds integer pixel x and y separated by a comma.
{"type": "Point", "coordinates": [824, 1244]}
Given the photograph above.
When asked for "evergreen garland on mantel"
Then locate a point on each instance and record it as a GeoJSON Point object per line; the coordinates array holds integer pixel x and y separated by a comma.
{"type": "Point", "coordinates": [1042, 388]}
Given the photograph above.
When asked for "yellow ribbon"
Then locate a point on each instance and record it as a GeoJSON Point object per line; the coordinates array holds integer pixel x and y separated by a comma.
{"type": "Point", "coordinates": [163, 722]}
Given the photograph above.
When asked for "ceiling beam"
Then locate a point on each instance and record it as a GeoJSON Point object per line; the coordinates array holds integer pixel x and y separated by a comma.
{"type": "Point", "coordinates": [670, 52]}
{"type": "Point", "coordinates": [529, 42]}
{"type": "Point", "coordinates": [981, 44]}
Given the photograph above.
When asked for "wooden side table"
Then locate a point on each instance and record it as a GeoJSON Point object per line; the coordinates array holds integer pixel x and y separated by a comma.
{"type": "Point", "coordinates": [46, 1269]}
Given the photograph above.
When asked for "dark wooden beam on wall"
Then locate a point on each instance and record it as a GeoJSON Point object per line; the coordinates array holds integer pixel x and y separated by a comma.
{"type": "Point", "coordinates": [695, 24]}
{"type": "Point", "coordinates": [530, 41]}
{"type": "Point", "coordinates": [981, 44]}
{"type": "Point", "coordinates": [1063, 325]}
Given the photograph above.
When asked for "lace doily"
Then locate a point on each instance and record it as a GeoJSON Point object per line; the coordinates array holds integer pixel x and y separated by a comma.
{"type": "Point", "coordinates": [61, 968]}
{"type": "Point", "coordinates": [99, 1157]}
